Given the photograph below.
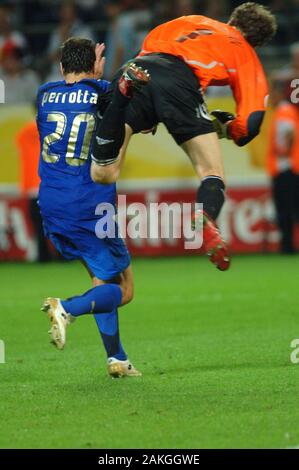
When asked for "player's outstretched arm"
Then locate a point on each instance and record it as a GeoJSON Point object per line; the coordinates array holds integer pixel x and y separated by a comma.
{"type": "Point", "coordinates": [100, 61]}
{"type": "Point", "coordinates": [250, 90]}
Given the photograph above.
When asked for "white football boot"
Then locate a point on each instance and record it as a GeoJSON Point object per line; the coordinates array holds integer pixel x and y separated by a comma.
{"type": "Point", "coordinates": [59, 319]}
{"type": "Point", "coordinates": [118, 369]}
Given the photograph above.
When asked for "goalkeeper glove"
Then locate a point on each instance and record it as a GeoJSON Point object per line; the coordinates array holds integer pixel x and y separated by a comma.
{"type": "Point", "coordinates": [221, 123]}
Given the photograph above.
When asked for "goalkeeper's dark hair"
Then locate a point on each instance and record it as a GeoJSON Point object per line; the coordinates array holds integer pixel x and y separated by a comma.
{"type": "Point", "coordinates": [256, 23]}
{"type": "Point", "coordinates": [78, 55]}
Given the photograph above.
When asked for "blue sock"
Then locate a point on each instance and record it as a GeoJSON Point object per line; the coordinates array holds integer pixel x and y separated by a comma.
{"type": "Point", "coordinates": [100, 299]}
{"type": "Point", "coordinates": [109, 329]}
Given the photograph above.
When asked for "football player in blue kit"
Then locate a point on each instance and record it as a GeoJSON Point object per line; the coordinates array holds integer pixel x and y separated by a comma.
{"type": "Point", "coordinates": [68, 198]}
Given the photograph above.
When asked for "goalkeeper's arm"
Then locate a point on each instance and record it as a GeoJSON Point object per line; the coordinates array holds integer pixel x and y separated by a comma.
{"type": "Point", "coordinates": [221, 122]}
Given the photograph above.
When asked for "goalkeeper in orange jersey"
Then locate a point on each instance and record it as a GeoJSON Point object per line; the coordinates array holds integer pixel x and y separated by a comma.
{"type": "Point", "coordinates": [184, 57]}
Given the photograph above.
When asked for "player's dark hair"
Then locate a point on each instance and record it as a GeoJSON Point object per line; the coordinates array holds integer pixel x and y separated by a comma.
{"type": "Point", "coordinates": [78, 55]}
{"type": "Point", "coordinates": [256, 22]}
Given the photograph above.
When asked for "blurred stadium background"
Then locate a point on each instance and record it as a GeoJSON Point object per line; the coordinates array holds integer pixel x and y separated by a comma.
{"type": "Point", "coordinates": [214, 347]}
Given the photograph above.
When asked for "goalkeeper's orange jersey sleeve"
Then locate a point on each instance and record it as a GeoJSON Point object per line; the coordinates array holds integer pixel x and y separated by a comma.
{"type": "Point", "coordinates": [219, 55]}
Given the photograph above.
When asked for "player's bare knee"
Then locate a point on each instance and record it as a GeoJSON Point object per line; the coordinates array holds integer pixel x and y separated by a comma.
{"type": "Point", "coordinates": [97, 282]}
{"type": "Point", "coordinates": [127, 284]}
{"type": "Point", "coordinates": [130, 295]}
{"type": "Point", "coordinates": [128, 291]}
{"type": "Point", "coordinates": [127, 296]}
{"type": "Point", "coordinates": [205, 154]}
{"type": "Point", "coordinates": [104, 174]}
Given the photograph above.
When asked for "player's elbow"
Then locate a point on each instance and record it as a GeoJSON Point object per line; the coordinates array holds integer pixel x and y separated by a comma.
{"type": "Point", "coordinates": [254, 123]}
{"type": "Point", "coordinates": [104, 174]}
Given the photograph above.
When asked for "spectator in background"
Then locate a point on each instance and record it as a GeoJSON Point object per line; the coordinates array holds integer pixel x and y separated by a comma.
{"type": "Point", "coordinates": [184, 8]}
{"type": "Point", "coordinates": [218, 9]}
{"type": "Point", "coordinates": [29, 149]}
{"type": "Point", "coordinates": [20, 84]}
{"type": "Point", "coordinates": [130, 23]}
{"type": "Point", "coordinates": [162, 12]}
{"type": "Point", "coordinates": [292, 69]}
{"type": "Point", "coordinates": [69, 26]}
{"type": "Point", "coordinates": [295, 59]}
{"type": "Point", "coordinates": [7, 34]}
{"type": "Point", "coordinates": [112, 11]}
{"type": "Point", "coordinates": [90, 10]}
{"type": "Point", "coordinates": [283, 160]}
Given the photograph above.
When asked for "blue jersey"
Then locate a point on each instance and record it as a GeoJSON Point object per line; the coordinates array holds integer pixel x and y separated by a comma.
{"type": "Point", "coordinates": [66, 120]}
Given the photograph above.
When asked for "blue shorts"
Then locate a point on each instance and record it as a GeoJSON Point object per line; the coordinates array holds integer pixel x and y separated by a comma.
{"type": "Point", "coordinates": [106, 258]}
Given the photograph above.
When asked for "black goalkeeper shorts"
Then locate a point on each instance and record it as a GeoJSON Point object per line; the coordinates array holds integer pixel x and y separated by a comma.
{"type": "Point", "coordinates": [172, 97]}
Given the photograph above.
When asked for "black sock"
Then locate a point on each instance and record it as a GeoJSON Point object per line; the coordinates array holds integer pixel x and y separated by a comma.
{"type": "Point", "coordinates": [110, 133]}
{"type": "Point", "coordinates": [211, 195]}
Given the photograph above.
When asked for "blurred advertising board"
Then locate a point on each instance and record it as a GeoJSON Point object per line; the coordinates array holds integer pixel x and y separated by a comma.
{"type": "Point", "coordinates": [246, 223]}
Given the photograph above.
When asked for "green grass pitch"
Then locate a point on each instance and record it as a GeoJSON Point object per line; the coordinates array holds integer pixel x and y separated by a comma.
{"type": "Point", "coordinates": [214, 349]}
